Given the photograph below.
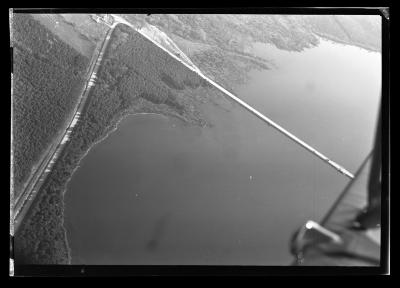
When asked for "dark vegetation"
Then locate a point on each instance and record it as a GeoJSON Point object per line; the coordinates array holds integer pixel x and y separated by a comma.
{"type": "Point", "coordinates": [289, 32]}
{"type": "Point", "coordinates": [132, 78]}
{"type": "Point", "coordinates": [171, 82]}
{"type": "Point", "coordinates": [46, 81]}
{"type": "Point", "coordinates": [219, 44]}
{"type": "Point", "coordinates": [135, 76]}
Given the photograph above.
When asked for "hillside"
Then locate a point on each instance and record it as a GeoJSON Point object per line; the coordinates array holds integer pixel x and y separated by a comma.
{"type": "Point", "coordinates": [220, 44]}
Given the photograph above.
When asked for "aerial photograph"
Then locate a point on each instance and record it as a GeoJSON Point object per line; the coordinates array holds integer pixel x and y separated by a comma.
{"type": "Point", "coordinates": [220, 139]}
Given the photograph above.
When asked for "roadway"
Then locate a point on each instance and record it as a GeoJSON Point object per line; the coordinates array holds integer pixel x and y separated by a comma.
{"type": "Point", "coordinates": [192, 67]}
{"type": "Point", "coordinates": [24, 200]}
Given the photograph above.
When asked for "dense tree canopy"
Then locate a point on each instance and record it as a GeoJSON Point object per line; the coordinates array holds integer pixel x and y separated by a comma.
{"type": "Point", "coordinates": [135, 76]}
{"type": "Point", "coordinates": [47, 74]}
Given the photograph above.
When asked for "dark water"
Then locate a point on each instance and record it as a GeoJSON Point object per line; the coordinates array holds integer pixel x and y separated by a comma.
{"type": "Point", "coordinates": [157, 191]}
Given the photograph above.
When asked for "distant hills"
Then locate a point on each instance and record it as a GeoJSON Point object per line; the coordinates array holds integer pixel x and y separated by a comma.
{"type": "Point", "coordinates": [220, 44]}
{"type": "Point", "coordinates": [289, 32]}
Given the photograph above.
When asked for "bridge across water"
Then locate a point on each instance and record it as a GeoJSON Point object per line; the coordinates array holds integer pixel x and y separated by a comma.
{"type": "Point", "coordinates": [314, 151]}
{"type": "Point", "coordinates": [24, 200]}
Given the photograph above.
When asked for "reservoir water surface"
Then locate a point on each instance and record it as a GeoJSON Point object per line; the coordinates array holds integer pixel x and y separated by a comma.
{"type": "Point", "coordinates": [158, 191]}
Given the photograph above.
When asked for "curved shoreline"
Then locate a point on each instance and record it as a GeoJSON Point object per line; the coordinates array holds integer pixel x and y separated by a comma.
{"type": "Point", "coordinates": [109, 130]}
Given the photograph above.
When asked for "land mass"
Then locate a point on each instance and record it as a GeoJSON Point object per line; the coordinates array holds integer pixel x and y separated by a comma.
{"type": "Point", "coordinates": [48, 76]}
{"type": "Point", "coordinates": [135, 77]}
{"type": "Point", "coordinates": [221, 44]}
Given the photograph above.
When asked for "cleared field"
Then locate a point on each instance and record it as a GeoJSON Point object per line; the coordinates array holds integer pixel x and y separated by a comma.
{"type": "Point", "coordinates": [66, 32]}
{"type": "Point", "coordinates": [84, 24]}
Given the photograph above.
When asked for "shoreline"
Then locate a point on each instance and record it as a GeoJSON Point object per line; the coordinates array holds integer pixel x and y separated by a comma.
{"type": "Point", "coordinates": [109, 130]}
{"type": "Point", "coordinates": [329, 38]}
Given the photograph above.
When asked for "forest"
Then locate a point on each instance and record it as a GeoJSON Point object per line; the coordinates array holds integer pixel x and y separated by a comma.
{"type": "Point", "coordinates": [220, 45]}
{"type": "Point", "coordinates": [47, 77]}
{"type": "Point", "coordinates": [135, 76]}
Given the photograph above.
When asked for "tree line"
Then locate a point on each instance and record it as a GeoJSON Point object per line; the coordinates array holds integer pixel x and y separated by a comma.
{"type": "Point", "coordinates": [47, 74]}
{"type": "Point", "coordinates": [135, 76]}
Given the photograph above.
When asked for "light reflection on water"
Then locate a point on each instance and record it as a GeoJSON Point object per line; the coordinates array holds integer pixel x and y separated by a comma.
{"type": "Point", "coordinates": [328, 96]}
{"type": "Point", "coordinates": [157, 191]}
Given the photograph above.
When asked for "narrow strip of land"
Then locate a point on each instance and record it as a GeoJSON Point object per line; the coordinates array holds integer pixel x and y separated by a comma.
{"type": "Point", "coordinates": [333, 164]}
{"type": "Point", "coordinates": [25, 199]}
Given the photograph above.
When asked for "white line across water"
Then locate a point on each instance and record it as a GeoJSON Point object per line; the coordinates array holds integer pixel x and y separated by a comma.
{"type": "Point", "coordinates": [245, 105]}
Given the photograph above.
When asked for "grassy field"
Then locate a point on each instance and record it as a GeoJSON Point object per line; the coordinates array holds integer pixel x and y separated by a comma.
{"type": "Point", "coordinates": [67, 33]}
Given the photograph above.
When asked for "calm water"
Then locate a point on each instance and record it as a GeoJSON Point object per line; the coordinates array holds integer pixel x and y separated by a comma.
{"type": "Point", "coordinates": [157, 191]}
{"type": "Point", "coordinates": [327, 96]}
